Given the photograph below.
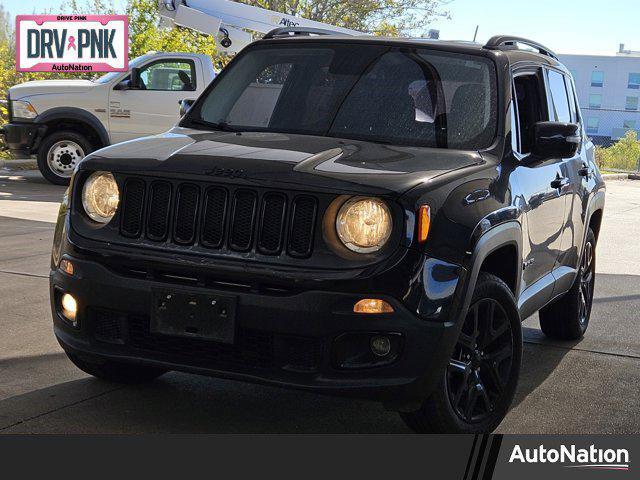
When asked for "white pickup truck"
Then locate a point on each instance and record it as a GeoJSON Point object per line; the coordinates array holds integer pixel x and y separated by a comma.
{"type": "Point", "coordinates": [63, 120]}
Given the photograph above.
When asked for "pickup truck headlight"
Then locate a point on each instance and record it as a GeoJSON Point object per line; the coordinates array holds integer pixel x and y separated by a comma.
{"type": "Point", "coordinates": [100, 197]}
{"type": "Point", "coordinates": [21, 109]}
{"type": "Point", "coordinates": [364, 224]}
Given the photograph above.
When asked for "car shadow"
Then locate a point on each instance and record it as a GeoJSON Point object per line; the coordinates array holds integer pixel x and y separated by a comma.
{"type": "Point", "coordinates": [540, 358]}
{"type": "Point", "coordinates": [183, 403]}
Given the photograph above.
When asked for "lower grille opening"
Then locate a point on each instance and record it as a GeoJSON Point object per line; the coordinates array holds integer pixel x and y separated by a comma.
{"type": "Point", "coordinates": [107, 325]}
{"type": "Point", "coordinates": [255, 349]}
{"type": "Point", "coordinates": [252, 348]}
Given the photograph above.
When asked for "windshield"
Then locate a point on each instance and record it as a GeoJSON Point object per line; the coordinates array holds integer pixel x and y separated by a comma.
{"type": "Point", "coordinates": [107, 77]}
{"type": "Point", "coordinates": [406, 96]}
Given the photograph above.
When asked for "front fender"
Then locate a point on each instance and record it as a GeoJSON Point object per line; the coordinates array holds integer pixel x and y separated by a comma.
{"type": "Point", "coordinates": [77, 114]}
{"type": "Point", "coordinates": [504, 234]}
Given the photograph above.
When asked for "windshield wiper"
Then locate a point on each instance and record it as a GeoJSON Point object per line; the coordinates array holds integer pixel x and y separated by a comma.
{"type": "Point", "coordinates": [222, 126]}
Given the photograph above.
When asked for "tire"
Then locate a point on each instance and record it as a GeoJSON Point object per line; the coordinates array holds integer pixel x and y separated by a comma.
{"type": "Point", "coordinates": [59, 153]}
{"type": "Point", "coordinates": [567, 318]}
{"type": "Point", "coordinates": [475, 391]}
{"type": "Point", "coordinates": [117, 372]}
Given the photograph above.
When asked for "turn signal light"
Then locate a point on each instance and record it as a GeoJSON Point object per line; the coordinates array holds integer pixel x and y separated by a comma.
{"type": "Point", "coordinates": [372, 305]}
{"type": "Point", "coordinates": [424, 222]}
{"type": "Point", "coordinates": [66, 266]}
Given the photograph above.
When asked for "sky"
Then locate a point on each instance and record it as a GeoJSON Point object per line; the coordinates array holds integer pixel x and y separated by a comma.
{"type": "Point", "coordinates": [565, 26]}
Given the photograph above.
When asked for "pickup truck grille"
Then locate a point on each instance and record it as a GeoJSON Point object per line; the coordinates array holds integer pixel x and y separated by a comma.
{"type": "Point", "coordinates": [218, 217]}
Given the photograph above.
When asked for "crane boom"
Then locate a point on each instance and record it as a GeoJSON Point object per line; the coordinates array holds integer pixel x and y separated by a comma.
{"type": "Point", "coordinates": [228, 20]}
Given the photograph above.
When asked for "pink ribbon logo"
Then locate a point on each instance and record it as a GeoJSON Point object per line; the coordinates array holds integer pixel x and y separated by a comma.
{"type": "Point", "coordinates": [72, 43]}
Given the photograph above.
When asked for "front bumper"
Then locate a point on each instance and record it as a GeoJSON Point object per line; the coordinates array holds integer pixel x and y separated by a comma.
{"type": "Point", "coordinates": [23, 138]}
{"type": "Point", "coordinates": [282, 338]}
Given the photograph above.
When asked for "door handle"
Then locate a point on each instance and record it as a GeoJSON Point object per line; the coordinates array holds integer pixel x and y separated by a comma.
{"type": "Point", "coordinates": [559, 182]}
{"type": "Point", "coordinates": [585, 171]}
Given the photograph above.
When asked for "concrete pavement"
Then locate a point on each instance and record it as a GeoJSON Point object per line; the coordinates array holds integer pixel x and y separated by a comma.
{"type": "Point", "coordinates": [585, 387]}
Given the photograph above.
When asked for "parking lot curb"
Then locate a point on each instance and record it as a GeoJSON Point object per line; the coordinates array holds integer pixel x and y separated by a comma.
{"type": "Point", "coordinates": [621, 176]}
{"type": "Point", "coordinates": [21, 164]}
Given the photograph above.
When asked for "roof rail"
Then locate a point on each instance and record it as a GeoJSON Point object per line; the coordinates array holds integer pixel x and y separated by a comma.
{"type": "Point", "coordinates": [293, 31]}
{"type": "Point", "coordinates": [506, 42]}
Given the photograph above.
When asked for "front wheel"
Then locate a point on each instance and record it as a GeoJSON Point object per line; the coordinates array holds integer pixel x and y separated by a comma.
{"type": "Point", "coordinates": [476, 390]}
{"type": "Point", "coordinates": [59, 153]}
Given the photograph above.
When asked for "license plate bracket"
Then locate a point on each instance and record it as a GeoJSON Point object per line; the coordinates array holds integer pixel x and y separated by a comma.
{"type": "Point", "coordinates": [196, 315]}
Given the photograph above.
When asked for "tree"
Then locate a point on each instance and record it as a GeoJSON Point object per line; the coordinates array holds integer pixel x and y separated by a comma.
{"type": "Point", "coordinates": [381, 17]}
{"type": "Point", "coordinates": [145, 33]}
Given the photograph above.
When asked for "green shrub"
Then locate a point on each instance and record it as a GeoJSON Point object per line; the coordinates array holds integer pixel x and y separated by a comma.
{"type": "Point", "coordinates": [622, 155]}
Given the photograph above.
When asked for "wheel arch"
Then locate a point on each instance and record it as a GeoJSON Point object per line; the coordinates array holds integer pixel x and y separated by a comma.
{"type": "Point", "coordinates": [505, 237]}
{"type": "Point", "coordinates": [595, 212]}
{"type": "Point", "coordinates": [75, 119]}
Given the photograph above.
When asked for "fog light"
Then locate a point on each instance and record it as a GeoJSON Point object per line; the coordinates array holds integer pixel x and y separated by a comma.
{"type": "Point", "coordinates": [372, 305]}
{"type": "Point", "coordinates": [66, 266]}
{"type": "Point", "coordinates": [380, 346]}
{"type": "Point", "coordinates": [69, 307]}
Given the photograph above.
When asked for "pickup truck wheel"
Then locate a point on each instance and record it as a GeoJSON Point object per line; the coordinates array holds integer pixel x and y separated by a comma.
{"type": "Point", "coordinates": [115, 371]}
{"type": "Point", "coordinates": [476, 390]}
{"type": "Point", "coordinates": [568, 317]}
{"type": "Point", "coordinates": [59, 153]}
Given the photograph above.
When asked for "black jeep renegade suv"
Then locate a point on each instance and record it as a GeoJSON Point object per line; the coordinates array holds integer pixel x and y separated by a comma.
{"type": "Point", "coordinates": [349, 215]}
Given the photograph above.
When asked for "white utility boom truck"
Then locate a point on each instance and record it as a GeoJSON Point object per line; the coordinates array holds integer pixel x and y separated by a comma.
{"type": "Point", "coordinates": [229, 21]}
{"type": "Point", "coordinates": [61, 121]}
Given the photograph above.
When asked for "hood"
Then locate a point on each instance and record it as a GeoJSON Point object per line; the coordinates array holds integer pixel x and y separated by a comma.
{"type": "Point", "coordinates": [272, 159]}
{"type": "Point", "coordinates": [40, 87]}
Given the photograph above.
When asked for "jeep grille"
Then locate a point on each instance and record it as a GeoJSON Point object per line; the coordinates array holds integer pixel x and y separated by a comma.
{"type": "Point", "coordinates": [218, 217]}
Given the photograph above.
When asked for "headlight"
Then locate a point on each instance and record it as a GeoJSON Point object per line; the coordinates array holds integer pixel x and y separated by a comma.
{"type": "Point", "coordinates": [364, 224]}
{"type": "Point", "coordinates": [22, 109]}
{"type": "Point", "coordinates": [100, 197]}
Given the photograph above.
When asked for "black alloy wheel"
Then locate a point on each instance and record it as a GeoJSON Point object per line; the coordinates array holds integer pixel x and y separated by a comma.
{"type": "Point", "coordinates": [480, 366]}
{"type": "Point", "coordinates": [587, 275]}
{"type": "Point", "coordinates": [567, 318]}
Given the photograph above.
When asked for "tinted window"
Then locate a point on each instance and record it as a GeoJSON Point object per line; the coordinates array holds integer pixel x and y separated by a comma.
{"type": "Point", "coordinates": [529, 99]}
{"type": "Point", "coordinates": [559, 103]}
{"type": "Point", "coordinates": [634, 81]}
{"type": "Point", "coordinates": [369, 92]}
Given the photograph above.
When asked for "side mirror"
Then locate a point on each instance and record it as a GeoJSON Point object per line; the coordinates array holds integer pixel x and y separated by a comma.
{"type": "Point", "coordinates": [123, 85]}
{"type": "Point", "coordinates": [135, 83]}
{"type": "Point", "coordinates": [185, 105]}
{"type": "Point", "coordinates": [555, 140]}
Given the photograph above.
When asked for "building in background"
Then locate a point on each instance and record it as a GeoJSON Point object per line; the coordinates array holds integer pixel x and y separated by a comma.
{"type": "Point", "coordinates": [608, 89]}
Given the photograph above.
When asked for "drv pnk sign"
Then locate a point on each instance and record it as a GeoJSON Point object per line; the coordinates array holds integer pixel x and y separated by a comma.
{"type": "Point", "coordinates": [72, 43]}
